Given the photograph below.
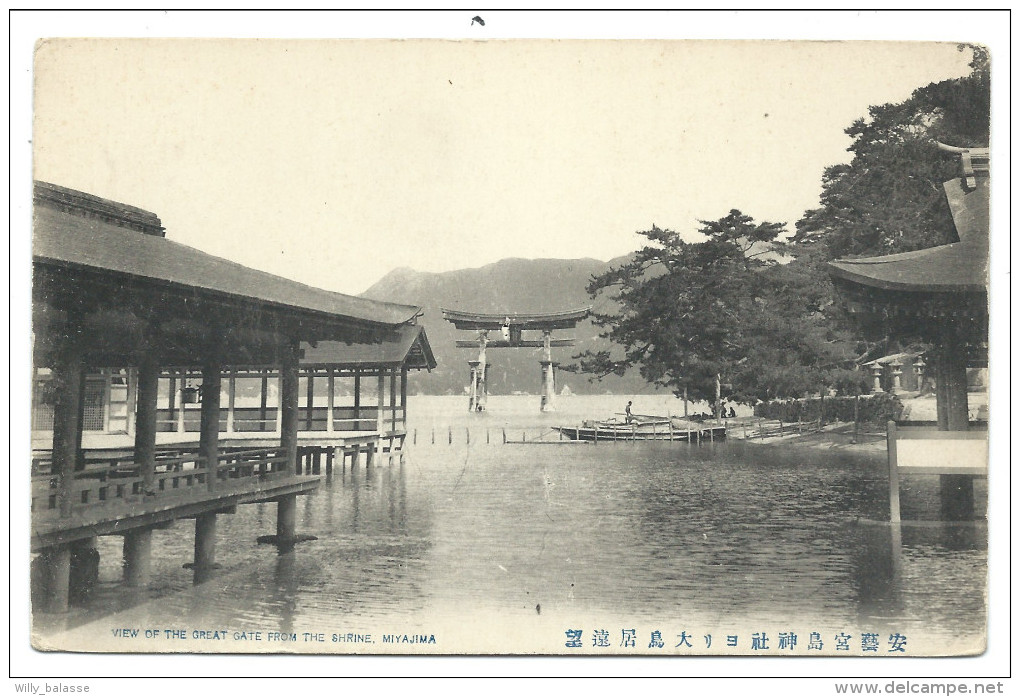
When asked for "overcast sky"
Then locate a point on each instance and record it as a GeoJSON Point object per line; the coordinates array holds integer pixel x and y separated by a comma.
{"type": "Point", "coordinates": [333, 162]}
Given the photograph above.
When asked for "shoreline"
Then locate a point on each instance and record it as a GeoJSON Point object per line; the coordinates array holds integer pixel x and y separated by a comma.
{"type": "Point", "coordinates": [835, 436]}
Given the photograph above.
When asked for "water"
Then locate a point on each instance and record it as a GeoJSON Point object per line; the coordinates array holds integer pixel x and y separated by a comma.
{"type": "Point", "coordinates": [503, 547]}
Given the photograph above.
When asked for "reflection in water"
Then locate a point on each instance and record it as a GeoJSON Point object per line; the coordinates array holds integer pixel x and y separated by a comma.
{"type": "Point", "coordinates": [724, 535]}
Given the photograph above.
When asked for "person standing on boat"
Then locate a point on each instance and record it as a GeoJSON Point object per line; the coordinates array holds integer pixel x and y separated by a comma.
{"type": "Point", "coordinates": [630, 417]}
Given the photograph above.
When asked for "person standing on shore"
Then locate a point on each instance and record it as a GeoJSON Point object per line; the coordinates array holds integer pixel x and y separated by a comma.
{"type": "Point", "coordinates": [626, 411]}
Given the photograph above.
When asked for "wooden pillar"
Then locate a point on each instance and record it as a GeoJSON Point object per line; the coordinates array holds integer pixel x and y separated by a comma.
{"type": "Point", "coordinates": [380, 400]}
{"type": "Point", "coordinates": [132, 399]}
{"type": "Point", "coordinates": [180, 412]}
{"type": "Point", "coordinates": [57, 567]}
{"type": "Point", "coordinates": [137, 557]}
{"type": "Point", "coordinates": [172, 397]}
{"type": "Point", "coordinates": [330, 404]}
{"type": "Point", "coordinates": [956, 492]}
{"type": "Point", "coordinates": [357, 399]}
{"type": "Point", "coordinates": [263, 400]}
{"type": "Point", "coordinates": [379, 422]}
{"type": "Point", "coordinates": [403, 396]}
{"type": "Point", "coordinates": [209, 434]}
{"type": "Point", "coordinates": [205, 546]}
{"type": "Point", "coordinates": [146, 417]}
{"type": "Point", "coordinates": [279, 403]}
{"type": "Point", "coordinates": [289, 406]}
{"type": "Point", "coordinates": [393, 399]}
{"type": "Point", "coordinates": [69, 388]}
{"type": "Point", "coordinates": [286, 518]}
{"type": "Point", "coordinates": [309, 399]}
{"type": "Point", "coordinates": [231, 399]}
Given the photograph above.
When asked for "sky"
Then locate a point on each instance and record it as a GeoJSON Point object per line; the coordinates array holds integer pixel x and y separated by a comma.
{"type": "Point", "coordinates": [333, 162]}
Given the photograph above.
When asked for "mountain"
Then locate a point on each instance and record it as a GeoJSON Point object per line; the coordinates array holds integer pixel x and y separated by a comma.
{"type": "Point", "coordinates": [506, 286]}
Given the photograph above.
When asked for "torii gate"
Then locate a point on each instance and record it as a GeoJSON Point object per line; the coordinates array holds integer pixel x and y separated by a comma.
{"type": "Point", "coordinates": [511, 326]}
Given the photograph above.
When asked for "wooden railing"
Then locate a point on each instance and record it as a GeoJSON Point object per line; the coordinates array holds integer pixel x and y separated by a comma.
{"type": "Point", "coordinates": [251, 419]}
{"type": "Point", "coordinates": [118, 480]}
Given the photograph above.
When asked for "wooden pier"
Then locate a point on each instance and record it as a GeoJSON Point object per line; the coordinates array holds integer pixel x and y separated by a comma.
{"type": "Point", "coordinates": [118, 307]}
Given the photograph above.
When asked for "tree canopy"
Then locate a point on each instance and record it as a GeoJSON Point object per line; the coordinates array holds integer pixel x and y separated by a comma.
{"type": "Point", "coordinates": [889, 197]}
{"type": "Point", "coordinates": [686, 312]}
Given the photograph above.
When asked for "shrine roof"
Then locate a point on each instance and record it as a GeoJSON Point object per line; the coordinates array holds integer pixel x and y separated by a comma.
{"type": "Point", "coordinates": [406, 345]}
{"type": "Point", "coordinates": [106, 238]}
{"type": "Point", "coordinates": [956, 267]}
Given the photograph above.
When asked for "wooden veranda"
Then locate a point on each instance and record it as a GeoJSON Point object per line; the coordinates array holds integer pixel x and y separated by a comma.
{"type": "Point", "coordinates": [112, 296]}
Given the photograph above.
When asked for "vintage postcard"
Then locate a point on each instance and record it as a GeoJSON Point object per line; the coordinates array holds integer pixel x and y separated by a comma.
{"type": "Point", "coordinates": [506, 346]}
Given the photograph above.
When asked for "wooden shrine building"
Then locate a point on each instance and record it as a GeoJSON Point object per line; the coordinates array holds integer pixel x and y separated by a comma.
{"type": "Point", "coordinates": [512, 327]}
{"type": "Point", "coordinates": [938, 295]}
{"type": "Point", "coordinates": [137, 341]}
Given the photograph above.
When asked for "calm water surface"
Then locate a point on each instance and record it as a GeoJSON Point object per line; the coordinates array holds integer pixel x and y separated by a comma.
{"type": "Point", "coordinates": [729, 535]}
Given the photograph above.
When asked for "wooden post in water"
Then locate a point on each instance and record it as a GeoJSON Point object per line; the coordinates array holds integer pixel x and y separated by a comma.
{"type": "Point", "coordinates": [467, 431]}
{"type": "Point", "coordinates": [137, 557]}
{"type": "Point", "coordinates": [894, 475]}
{"type": "Point", "coordinates": [205, 547]}
{"type": "Point", "coordinates": [380, 414]}
{"type": "Point", "coordinates": [504, 436]}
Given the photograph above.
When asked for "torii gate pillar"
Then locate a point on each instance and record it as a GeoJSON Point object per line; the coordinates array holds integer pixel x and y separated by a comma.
{"type": "Point", "coordinates": [479, 391]}
{"type": "Point", "coordinates": [548, 373]}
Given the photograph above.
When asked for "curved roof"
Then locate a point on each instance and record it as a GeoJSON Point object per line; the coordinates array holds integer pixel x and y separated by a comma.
{"type": "Point", "coordinates": [405, 346]}
{"type": "Point", "coordinates": [62, 238]}
{"type": "Point", "coordinates": [547, 320]}
{"type": "Point", "coordinates": [958, 267]}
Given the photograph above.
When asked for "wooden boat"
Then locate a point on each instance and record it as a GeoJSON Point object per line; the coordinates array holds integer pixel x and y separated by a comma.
{"type": "Point", "coordinates": [644, 428]}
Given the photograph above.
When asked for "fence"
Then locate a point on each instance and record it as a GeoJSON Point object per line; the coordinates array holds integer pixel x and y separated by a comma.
{"type": "Point", "coordinates": [874, 408]}
{"type": "Point", "coordinates": [118, 480]}
{"type": "Point", "coordinates": [257, 420]}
